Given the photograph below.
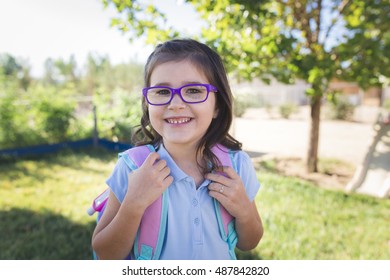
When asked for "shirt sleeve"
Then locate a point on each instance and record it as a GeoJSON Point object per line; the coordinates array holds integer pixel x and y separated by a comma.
{"type": "Point", "coordinates": [118, 179]}
{"type": "Point", "coordinates": [247, 173]}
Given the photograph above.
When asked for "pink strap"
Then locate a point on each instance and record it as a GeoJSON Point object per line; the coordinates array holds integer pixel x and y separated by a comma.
{"type": "Point", "coordinates": [226, 219]}
{"type": "Point", "coordinates": [150, 225]}
{"type": "Point", "coordinates": [223, 155]}
{"type": "Point", "coordinates": [151, 221]}
{"type": "Point", "coordinates": [139, 154]}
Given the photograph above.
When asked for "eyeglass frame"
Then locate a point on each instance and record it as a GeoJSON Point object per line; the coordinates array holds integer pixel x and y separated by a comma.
{"type": "Point", "coordinates": [209, 87]}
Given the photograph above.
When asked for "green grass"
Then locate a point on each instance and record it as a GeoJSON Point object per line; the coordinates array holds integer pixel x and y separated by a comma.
{"type": "Point", "coordinates": [43, 203]}
{"type": "Point", "coordinates": [303, 221]}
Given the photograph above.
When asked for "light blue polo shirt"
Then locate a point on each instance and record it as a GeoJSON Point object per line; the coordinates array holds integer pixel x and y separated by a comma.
{"type": "Point", "coordinates": [192, 230]}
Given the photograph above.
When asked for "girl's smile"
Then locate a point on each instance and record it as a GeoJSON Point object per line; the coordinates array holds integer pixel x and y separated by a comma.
{"type": "Point", "coordinates": [178, 120]}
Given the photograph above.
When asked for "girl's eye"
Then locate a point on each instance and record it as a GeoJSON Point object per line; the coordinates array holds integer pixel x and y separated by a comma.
{"type": "Point", "coordinates": [193, 90]}
{"type": "Point", "coordinates": [163, 92]}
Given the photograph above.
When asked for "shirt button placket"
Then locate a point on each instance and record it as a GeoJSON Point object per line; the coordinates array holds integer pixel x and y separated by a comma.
{"type": "Point", "coordinates": [197, 222]}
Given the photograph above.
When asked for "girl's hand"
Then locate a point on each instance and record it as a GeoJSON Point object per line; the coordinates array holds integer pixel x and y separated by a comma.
{"type": "Point", "coordinates": [148, 182]}
{"type": "Point", "coordinates": [230, 192]}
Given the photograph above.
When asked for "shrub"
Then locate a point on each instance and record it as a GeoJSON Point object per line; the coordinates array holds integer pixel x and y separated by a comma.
{"type": "Point", "coordinates": [242, 102]}
{"type": "Point", "coordinates": [15, 120]}
{"type": "Point", "coordinates": [56, 118]}
{"type": "Point", "coordinates": [118, 113]}
{"type": "Point", "coordinates": [386, 104]}
{"type": "Point", "coordinates": [287, 109]}
{"type": "Point", "coordinates": [341, 109]}
{"type": "Point", "coordinates": [239, 107]}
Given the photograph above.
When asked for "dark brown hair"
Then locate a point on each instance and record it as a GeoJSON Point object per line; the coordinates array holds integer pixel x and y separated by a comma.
{"type": "Point", "coordinates": [210, 63]}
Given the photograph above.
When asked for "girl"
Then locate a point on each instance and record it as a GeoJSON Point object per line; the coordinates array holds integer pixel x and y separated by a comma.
{"type": "Point", "coordinates": [187, 109]}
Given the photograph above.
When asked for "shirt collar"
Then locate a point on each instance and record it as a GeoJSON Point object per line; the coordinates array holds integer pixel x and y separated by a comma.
{"type": "Point", "coordinates": [176, 172]}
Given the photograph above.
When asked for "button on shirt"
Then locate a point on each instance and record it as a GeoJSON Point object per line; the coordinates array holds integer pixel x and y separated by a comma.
{"type": "Point", "coordinates": [192, 228]}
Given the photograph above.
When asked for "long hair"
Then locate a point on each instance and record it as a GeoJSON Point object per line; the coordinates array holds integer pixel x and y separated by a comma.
{"type": "Point", "coordinates": [209, 62]}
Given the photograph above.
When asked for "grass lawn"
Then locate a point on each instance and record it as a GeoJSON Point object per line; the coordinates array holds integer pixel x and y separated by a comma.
{"type": "Point", "coordinates": [43, 206]}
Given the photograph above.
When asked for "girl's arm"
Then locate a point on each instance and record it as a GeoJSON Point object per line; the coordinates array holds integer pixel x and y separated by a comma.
{"type": "Point", "coordinates": [230, 192]}
{"type": "Point", "coordinates": [115, 233]}
{"type": "Point", "coordinates": [249, 229]}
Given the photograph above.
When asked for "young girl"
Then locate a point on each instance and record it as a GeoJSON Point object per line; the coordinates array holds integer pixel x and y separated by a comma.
{"type": "Point", "coordinates": [187, 109]}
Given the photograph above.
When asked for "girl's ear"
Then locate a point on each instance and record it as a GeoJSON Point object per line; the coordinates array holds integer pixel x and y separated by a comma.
{"type": "Point", "coordinates": [216, 112]}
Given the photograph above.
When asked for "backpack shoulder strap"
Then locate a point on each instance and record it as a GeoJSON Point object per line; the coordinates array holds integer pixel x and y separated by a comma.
{"type": "Point", "coordinates": [150, 236]}
{"type": "Point", "coordinates": [225, 220]}
{"type": "Point", "coordinates": [135, 157]}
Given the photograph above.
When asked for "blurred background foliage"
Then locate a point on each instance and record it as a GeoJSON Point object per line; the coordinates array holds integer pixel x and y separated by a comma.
{"type": "Point", "coordinates": [59, 105]}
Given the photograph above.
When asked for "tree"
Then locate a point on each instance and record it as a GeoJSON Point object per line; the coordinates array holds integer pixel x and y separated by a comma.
{"type": "Point", "coordinates": [67, 69]}
{"type": "Point", "coordinates": [10, 65]}
{"type": "Point", "coordinates": [60, 71]}
{"type": "Point", "coordinates": [15, 69]}
{"type": "Point", "coordinates": [97, 67]}
{"type": "Point", "coordinates": [50, 72]}
{"type": "Point", "coordinates": [312, 40]}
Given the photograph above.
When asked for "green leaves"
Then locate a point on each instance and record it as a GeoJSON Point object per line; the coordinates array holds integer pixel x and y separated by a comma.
{"type": "Point", "coordinates": [364, 55]}
{"type": "Point", "coordinates": [141, 20]}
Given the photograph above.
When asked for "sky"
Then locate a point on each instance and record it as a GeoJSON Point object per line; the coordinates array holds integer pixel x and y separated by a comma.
{"type": "Point", "coordinates": [41, 29]}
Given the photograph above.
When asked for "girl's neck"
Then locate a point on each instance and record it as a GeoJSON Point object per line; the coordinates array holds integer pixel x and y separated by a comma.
{"type": "Point", "coordinates": [187, 159]}
{"type": "Point", "coordinates": [182, 152]}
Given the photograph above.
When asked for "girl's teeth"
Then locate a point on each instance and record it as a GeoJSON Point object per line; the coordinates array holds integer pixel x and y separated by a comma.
{"type": "Point", "coordinates": [178, 121]}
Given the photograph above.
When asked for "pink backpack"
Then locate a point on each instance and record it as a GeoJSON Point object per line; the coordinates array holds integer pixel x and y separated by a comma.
{"type": "Point", "coordinates": [149, 240]}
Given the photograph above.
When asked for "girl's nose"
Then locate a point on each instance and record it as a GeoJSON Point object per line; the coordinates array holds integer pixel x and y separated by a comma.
{"type": "Point", "coordinates": [176, 102]}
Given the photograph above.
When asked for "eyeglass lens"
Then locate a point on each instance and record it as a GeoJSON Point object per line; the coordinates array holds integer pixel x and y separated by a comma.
{"type": "Point", "coordinates": [190, 94]}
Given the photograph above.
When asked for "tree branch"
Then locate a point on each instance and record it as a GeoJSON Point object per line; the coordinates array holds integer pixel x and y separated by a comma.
{"type": "Point", "coordinates": [317, 17]}
{"type": "Point", "coordinates": [302, 20]}
{"type": "Point", "coordinates": [343, 5]}
{"type": "Point", "coordinates": [341, 8]}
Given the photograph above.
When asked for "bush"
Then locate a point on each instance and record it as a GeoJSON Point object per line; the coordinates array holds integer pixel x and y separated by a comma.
{"type": "Point", "coordinates": [118, 113]}
{"type": "Point", "coordinates": [16, 128]}
{"type": "Point", "coordinates": [239, 107]}
{"type": "Point", "coordinates": [37, 116]}
{"type": "Point", "coordinates": [386, 105]}
{"type": "Point", "coordinates": [287, 109]}
{"type": "Point", "coordinates": [56, 118]}
{"type": "Point", "coordinates": [242, 102]}
{"type": "Point", "coordinates": [341, 109]}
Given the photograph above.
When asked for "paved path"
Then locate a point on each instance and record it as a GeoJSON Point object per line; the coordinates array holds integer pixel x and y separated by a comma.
{"type": "Point", "coordinates": [357, 143]}
{"type": "Point", "coordinates": [342, 140]}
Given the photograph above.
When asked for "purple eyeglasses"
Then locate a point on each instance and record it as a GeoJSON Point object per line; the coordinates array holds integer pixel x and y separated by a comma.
{"type": "Point", "coordinates": [191, 93]}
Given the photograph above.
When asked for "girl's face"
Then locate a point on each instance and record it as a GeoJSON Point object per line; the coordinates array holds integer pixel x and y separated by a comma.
{"type": "Point", "coordinates": [180, 123]}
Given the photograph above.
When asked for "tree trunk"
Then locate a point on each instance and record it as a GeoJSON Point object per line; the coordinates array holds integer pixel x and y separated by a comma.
{"type": "Point", "coordinates": [381, 96]}
{"type": "Point", "coordinates": [312, 155]}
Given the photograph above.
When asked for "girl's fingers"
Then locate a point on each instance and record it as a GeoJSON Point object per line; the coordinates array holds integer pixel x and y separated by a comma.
{"type": "Point", "coordinates": [218, 178]}
{"type": "Point", "coordinates": [229, 171]}
{"type": "Point", "coordinates": [217, 187]}
{"type": "Point", "coordinates": [165, 172]}
{"type": "Point", "coordinates": [151, 159]}
{"type": "Point", "coordinates": [168, 181]}
{"type": "Point", "coordinates": [160, 165]}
